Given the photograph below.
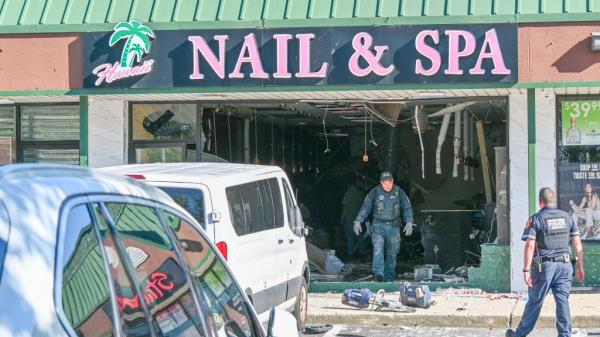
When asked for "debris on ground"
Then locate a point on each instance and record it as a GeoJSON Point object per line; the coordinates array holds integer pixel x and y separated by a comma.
{"type": "Point", "coordinates": [317, 329]}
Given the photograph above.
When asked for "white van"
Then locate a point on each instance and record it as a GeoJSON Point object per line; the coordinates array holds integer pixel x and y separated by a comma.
{"type": "Point", "coordinates": [250, 213]}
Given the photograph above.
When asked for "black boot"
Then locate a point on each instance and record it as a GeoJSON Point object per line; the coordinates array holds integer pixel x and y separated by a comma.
{"type": "Point", "coordinates": [378, 278]}
{"type": "Point", "coordinates": [510, 333]}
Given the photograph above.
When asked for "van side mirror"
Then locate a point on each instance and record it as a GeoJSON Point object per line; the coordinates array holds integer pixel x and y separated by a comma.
{"type": "Point", "coordinates": [214, 217]}
{"type": "Point", "coordinates": [282, 324]}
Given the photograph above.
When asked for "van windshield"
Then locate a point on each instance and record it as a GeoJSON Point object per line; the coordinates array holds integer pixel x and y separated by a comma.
{"type": "Point", "coordinates": [191, 199]}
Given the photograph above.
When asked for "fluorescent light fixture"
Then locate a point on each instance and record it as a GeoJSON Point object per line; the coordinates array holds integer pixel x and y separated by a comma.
{"type": "Point", "coordinates": [596, 41]}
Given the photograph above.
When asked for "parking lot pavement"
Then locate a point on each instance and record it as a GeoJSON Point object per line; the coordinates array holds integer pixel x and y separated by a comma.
{"type": "Point", "coordinates": [355, 331]}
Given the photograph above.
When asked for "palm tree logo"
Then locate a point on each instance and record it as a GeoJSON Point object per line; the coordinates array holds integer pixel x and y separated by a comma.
{"type": "Point", "coordinates": [137, 41]}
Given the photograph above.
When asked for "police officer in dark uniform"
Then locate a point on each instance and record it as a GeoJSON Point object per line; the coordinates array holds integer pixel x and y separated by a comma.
{"type": "Point", "coordinates": [389, 205]}
{"type": "Point", "coordinates": [548, 264]}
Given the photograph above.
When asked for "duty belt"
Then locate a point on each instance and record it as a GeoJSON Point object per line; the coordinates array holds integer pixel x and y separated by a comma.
{"type": "Point", "coordinates": [385, 222]}
{"type": "Point", "coordinates": [561, 258]}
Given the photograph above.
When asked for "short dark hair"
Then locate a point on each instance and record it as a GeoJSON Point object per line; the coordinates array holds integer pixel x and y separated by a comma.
{"type": "Point", "coordinates": [547, 196]}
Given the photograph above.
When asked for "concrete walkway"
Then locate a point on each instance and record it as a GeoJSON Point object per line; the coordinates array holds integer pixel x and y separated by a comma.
{"type": "Point", "coordinates": [455, 308]}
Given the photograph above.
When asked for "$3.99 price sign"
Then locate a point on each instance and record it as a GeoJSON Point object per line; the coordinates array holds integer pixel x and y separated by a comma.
{"type": "Point", "coordinates": [580, 123]}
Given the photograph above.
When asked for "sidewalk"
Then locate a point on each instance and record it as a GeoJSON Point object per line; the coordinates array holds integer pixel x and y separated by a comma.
{"type": "Point", "coordinates": [454, 308]}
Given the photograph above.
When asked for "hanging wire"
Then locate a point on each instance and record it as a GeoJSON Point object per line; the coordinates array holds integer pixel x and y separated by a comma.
{"type": "Point", "coordinates": [284, 165]}
{"type": "Point", "coordinates": [301, 152]}
{"type": "Point", "coordinates": [365, 157]}
{"type": "Point", "coordinates": [421, 141]}
{"type": "Point", "coordinates": [272, 143]}
{"type": "Point", "coordinates": [256, 160]}
{"type": "Point", "coordinates": [214, 113]}
{"type": "Point", "coordinates": [372, 141]}
{"type": "Point", "coordinates": [229, 134]}
{"type": "Point", "coordinates": [310, 151]}
{"type": "Point", "coordinates": [325, 132]}
{"type": "Point", "coordinates": [293, 151]}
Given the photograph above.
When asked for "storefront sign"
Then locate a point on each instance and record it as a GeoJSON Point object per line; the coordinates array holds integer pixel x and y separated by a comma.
{"type": "Point", "coordinates": [137, 41]}
{"type": "Point", "coordinates": [579, 189]}
{"type": "Point", "coordinates": [300, 56]}
{"type": "Point", "coordinates": [580, 123]}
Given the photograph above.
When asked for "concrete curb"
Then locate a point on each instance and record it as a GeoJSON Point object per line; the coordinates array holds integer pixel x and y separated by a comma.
{"type": "Point", "coordinates": [451, 311]}
{"type": "Point", "coordinates": [412, 320]}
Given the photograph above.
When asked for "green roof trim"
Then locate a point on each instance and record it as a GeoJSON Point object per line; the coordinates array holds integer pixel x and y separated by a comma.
{"type": "Point", "coordinates": [37, 16]}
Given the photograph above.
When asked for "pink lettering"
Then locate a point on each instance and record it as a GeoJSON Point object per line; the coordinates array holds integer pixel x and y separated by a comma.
{"type": "Point", "coordinates": [154, 290]}
{"type": "Point", "coordinates": [494, 53]}
{"type": "Point", "coordinates": [113, 72]}
{"type": "Point", "coordinates": [282, 55]}
{"type": "Point", "coordinates": [250, 47]}
{"type": "Point", "coordinates": [304, 50]}
{"type": "Point", "coordinates": [429, 52]}
{"type": "Point", "coordinates": [201, 47]}
{"type": "Point", "coordinates": [454, 52]}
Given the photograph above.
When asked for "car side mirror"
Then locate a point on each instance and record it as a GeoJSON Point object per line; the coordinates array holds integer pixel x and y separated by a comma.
{"type": "Point", "coordinates": [282, 324]}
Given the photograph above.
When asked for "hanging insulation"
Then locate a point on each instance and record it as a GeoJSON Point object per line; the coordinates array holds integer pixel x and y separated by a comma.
{"type": "Point", "coordinates": [419, 132]}
{"type": "Point", "coordinates": [456, 140]}
{"type": "Point", "coordinates": [465, 144]}
{"type": "Point", "coordinates": [441, 139]}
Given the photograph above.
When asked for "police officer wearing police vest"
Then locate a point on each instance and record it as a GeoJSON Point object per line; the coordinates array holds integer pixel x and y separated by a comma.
{"type": "Point", "coordinates": [548, 264]}
{"type": "Point", "coordinates": [388, 204]}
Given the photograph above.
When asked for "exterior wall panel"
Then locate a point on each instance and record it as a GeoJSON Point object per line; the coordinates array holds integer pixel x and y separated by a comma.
{"type": "Point", "coordinates": [42, 62]}
{"type": "Point", "coordinates": [557, 53]}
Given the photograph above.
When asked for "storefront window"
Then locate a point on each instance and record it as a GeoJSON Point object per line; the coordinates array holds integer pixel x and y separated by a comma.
{"type": "Point", "coordinates": [164, 132]}
{"type": "Point", "coordinates": [49, 134]}
{"type": "Point", "coordinates": [50, 123]}
{"type": "Point", "coordinates": [7, 122]}
{"type": "Point", "coordinates": [579, 163]}
{"type": "Point", "coordinates": [164, 121]}
{"type": "Point", "coordinates": [7, 135]}
{"type": "Point", "coordinates": [158, 154]}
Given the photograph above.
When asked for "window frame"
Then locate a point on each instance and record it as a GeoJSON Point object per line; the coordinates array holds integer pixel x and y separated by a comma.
{"type": "Point", "coordinates": [287, 192]}
{"type": "Point", "coordinates": [65, 210]}
{"type": "Point", "coordinates": [44, 144]}
{"type": "Point", "coordinates": [158, 207]}
{"type": "Point", "coordinates": [133, 144]}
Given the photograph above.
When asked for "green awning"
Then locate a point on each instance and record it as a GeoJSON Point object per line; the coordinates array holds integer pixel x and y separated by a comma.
{"type": "Point", "coordinates": [90, 15]}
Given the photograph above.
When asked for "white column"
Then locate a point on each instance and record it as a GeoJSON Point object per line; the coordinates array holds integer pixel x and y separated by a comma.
{"type": "Point", "coordinates": [545, 143]}
{"type": "Point", "coordinates": [107, 132]}
{"type": "Point", "coordinates": [518, 183]}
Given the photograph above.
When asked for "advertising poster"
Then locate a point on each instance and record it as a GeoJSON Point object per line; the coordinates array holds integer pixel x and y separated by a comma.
{"type": "Point", "coordinates": [579, 189]}
{"type": "Point", "coordinates": [580, 123]}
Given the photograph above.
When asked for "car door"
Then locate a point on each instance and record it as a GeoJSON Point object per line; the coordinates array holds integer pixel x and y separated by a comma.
{"type": "Point", "coordinates": [294, 245]}
{"type": "Point", "coordinates": [248, 241]}
{"type": "Point", "coordinates": [271, 201]}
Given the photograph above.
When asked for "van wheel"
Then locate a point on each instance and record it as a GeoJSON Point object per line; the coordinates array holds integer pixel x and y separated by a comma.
{"type": "Point", "coordinates": [301, 306]}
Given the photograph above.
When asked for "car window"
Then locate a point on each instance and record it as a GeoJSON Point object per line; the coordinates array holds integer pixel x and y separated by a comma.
{"type": "Point", "coordinates": [153, 259]}
{"type": "Point", "coordinates": [255, 206]}
{"type": "Point", "coordinates": [132, 319]}
{"type": "Point", "coordinates": [85, 290]}
{"type": "Point", "coordinates": [245, 209]}
{"type": "Point", "coordinates": [4, 232]}
{"type": "Point", "coordinates": [191, 199]}
{"type": "Point", "coordinates": [289, 202]}
{"type": "Point", "coordinates": [228, 313]}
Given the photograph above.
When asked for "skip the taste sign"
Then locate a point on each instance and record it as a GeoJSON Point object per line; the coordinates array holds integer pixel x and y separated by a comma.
{"type": "Point", "coordinates": [135, 56]}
